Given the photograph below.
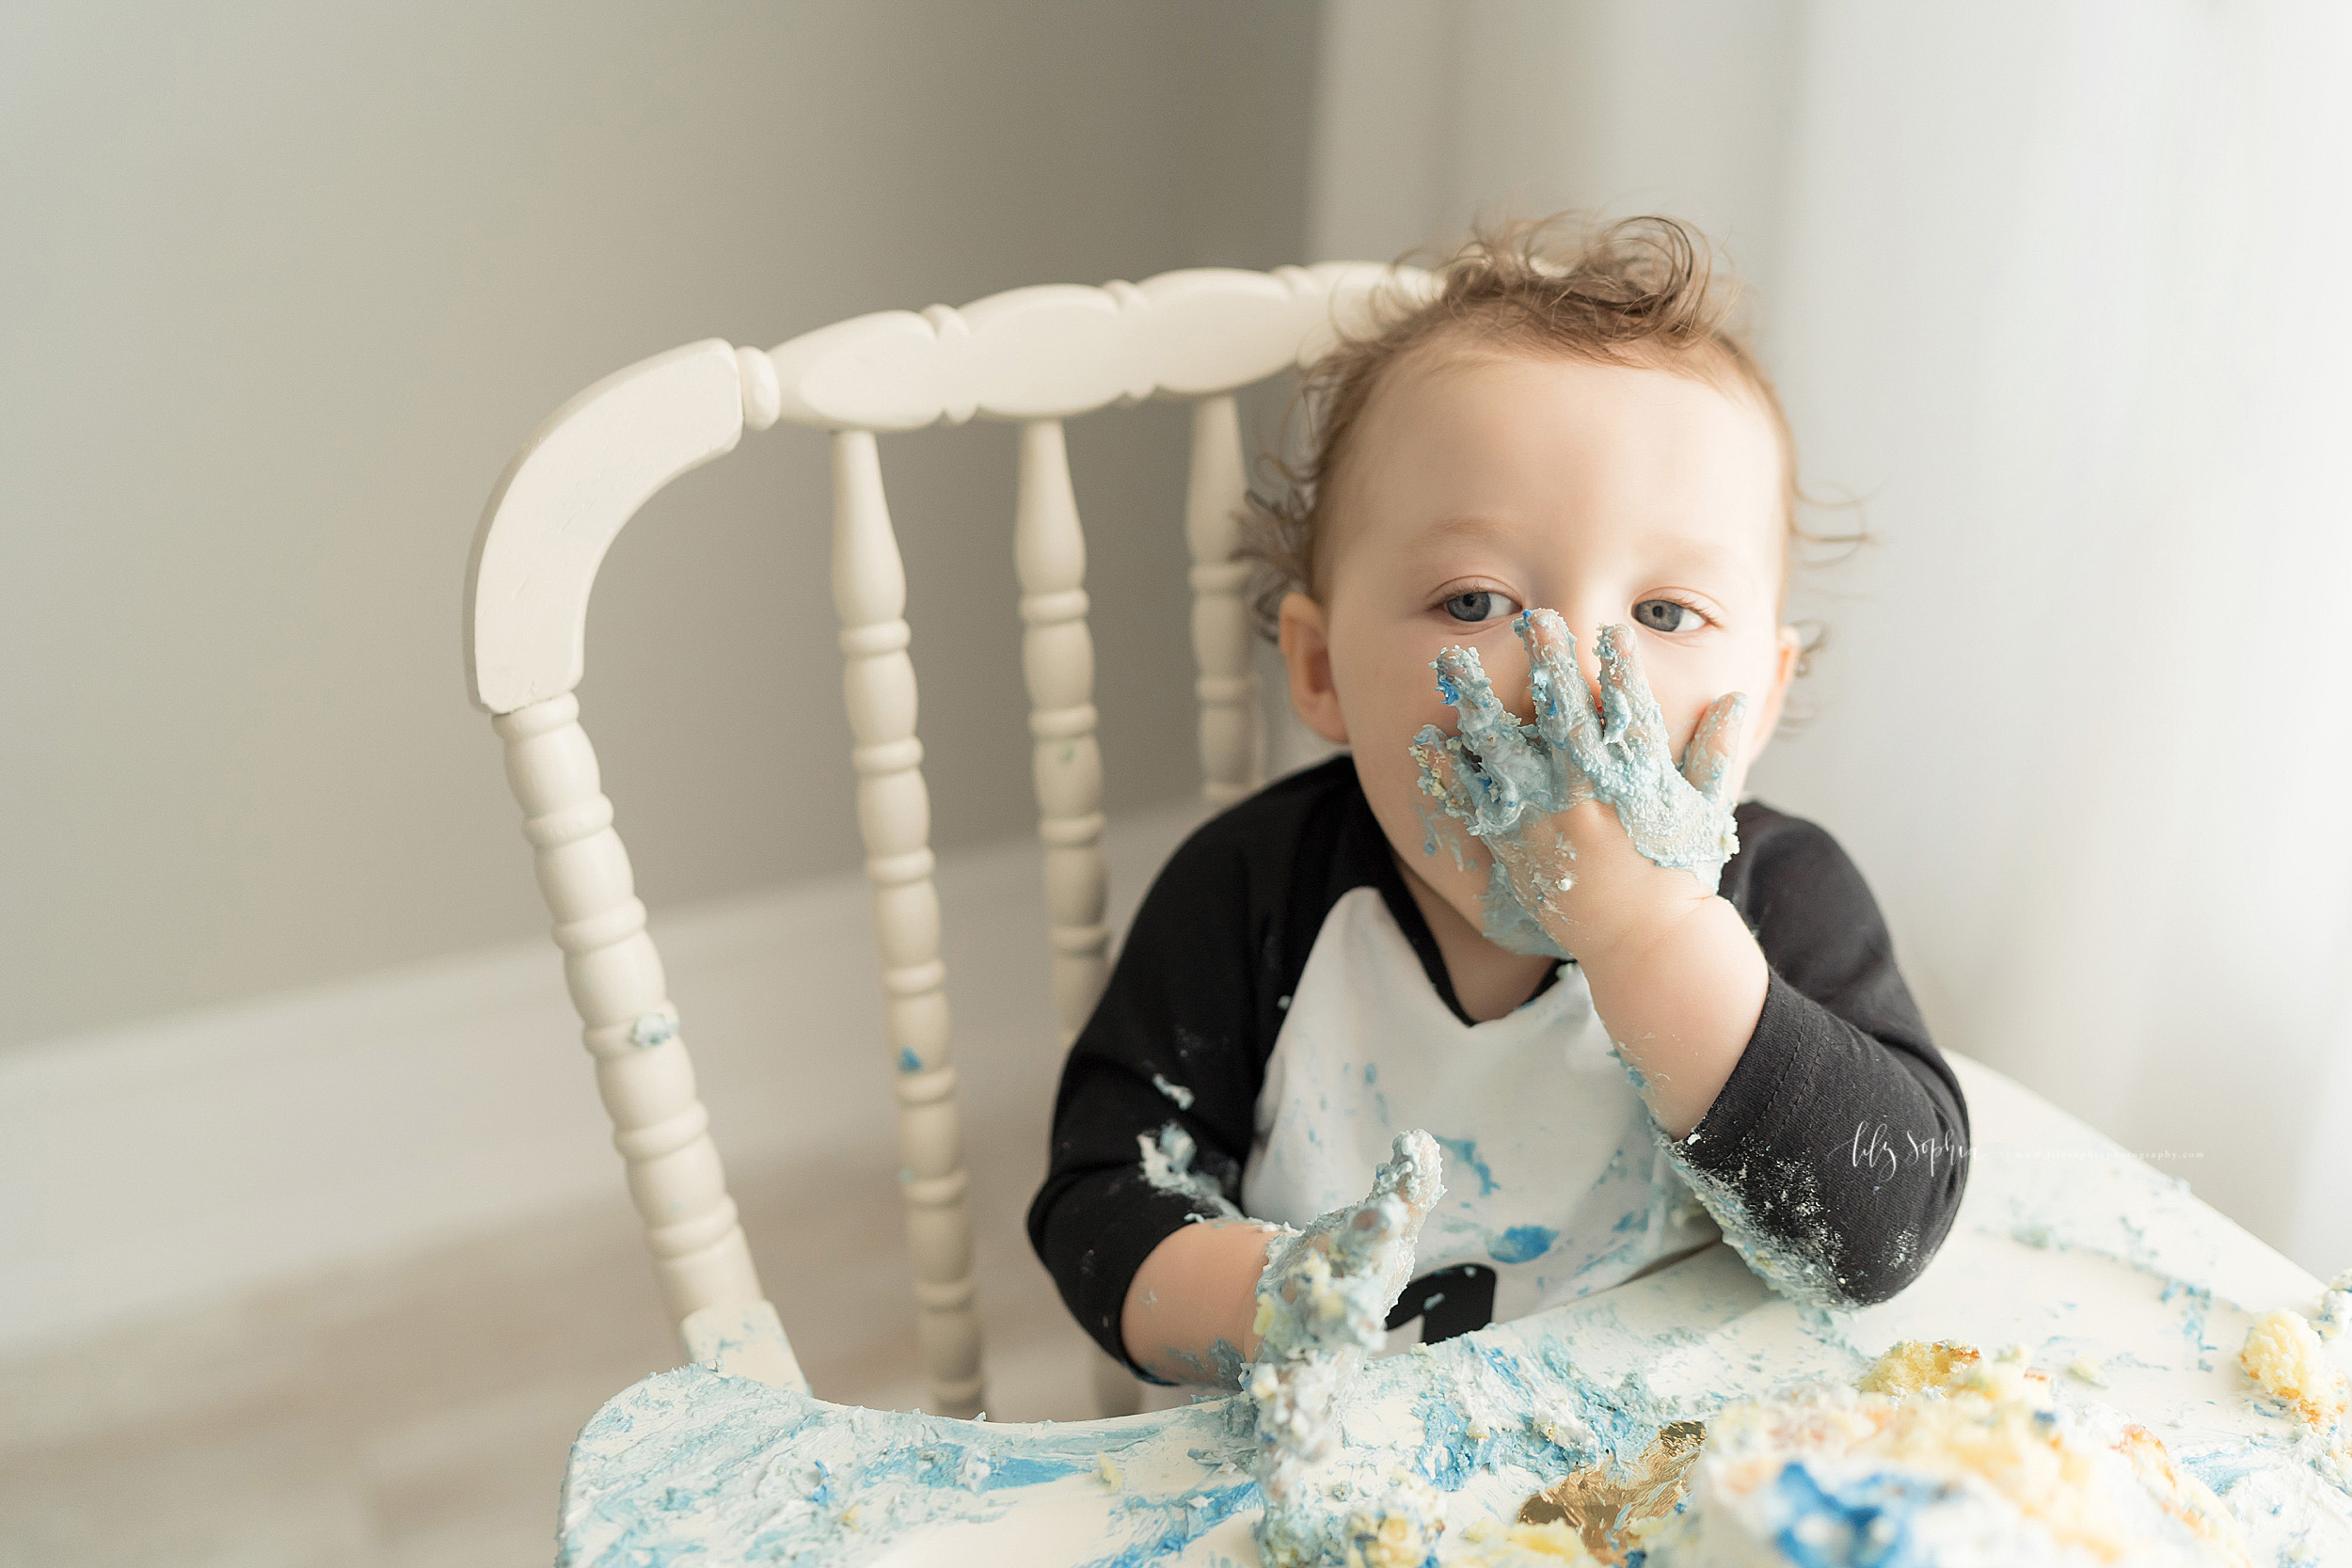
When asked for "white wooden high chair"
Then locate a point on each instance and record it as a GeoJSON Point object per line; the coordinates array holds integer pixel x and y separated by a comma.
{"type": "Point", "coordinates": [728, 1470]}
{"type": "Point", "coordinates": [1036, 356]}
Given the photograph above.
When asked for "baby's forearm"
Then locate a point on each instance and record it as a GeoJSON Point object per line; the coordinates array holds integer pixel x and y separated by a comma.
{"type": "Point", "coordinates": [1681, 996]}
{"type": "Point", "coordinates": [1189, 1313]}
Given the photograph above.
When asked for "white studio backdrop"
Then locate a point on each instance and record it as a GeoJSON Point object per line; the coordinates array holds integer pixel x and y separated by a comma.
{"type": "Point", "coordinates": [2055, 290]}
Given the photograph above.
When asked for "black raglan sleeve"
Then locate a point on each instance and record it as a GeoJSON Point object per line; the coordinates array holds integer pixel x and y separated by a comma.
{"type": "Point", "coordinates": [1834, 1157]}
{"type": "Point", "coordinates": [1175, 1051]}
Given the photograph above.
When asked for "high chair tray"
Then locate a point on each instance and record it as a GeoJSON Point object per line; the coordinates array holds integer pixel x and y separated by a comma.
{"type": "Point", "coordinates": [2066, 1245]}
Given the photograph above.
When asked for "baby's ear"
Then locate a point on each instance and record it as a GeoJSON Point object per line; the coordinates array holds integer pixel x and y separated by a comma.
{"type": "Point", "coordinates": [1307, 655]}
{"type": "Point", "coordinates": [1792, 654]}
{"type": "Point", "coordinates": [1788, 655]}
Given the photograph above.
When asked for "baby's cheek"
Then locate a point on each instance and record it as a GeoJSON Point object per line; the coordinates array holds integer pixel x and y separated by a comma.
{"type": "Point", "coordinates": [1433, 844]}
{"type": "Point", "coordinates": [1385, 719]}
{"type": "Point", "coordinates": [1389, 772]}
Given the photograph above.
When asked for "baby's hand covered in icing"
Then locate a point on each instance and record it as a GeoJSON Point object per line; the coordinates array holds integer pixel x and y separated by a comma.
{"type": "Point", "coordinates": [1504, 780]}
{"type": "Point", "coordinates": [1322, 1303]}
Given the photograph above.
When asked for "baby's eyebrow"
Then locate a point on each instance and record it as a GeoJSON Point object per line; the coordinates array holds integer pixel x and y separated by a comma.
{"type": "Point", "coordinates": [1707, 555]}
{"type": "Point", "coordinates": [1675, 552]}
{"type": "Point", "coordinates": [1463, 527]}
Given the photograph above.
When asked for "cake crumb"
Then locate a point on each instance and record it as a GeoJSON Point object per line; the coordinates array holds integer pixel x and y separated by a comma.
{"type": "Point", "coordinates": [2335, 1306]}
{"type": "Point", "coordinates": [2084, 1369]}
{"type": "Point", "coordinates": [1108, 1468]}
{"type": "Point", "coordinates": [2283, 1354]}
{"type": "Point", "coordinates": [1552, 1544]}
{"type": "Point", "coordinates": [1912, 1365]}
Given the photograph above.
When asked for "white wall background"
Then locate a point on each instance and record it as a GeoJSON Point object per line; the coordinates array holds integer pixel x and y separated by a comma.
{"type": "Point", "coordinates": [285, 285]}
{"type": "Point", "coordinates": [2052, 287]}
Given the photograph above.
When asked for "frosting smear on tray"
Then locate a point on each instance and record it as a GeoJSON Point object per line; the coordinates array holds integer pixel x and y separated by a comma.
{"type": "Point", "coordinates": [2137, 1308]}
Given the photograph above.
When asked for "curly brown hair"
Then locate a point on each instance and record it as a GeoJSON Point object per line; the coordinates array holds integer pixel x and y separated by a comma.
{"type": "Point", "coordinates": [1643, 293]}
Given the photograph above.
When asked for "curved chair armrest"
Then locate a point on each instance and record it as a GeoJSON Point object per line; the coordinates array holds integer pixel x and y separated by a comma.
{"type": "Point", "coordinates": [569, 492]}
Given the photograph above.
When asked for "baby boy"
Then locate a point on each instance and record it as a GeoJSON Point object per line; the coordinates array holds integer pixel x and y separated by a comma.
{"type": "Point", "coordinates": [1520, 913]}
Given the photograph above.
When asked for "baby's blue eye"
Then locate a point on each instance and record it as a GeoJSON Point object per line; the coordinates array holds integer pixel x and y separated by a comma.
{"type": "Point", "coordinates": [1668, 615]}
{"type": "Point", "coordinates": [1483, 605]}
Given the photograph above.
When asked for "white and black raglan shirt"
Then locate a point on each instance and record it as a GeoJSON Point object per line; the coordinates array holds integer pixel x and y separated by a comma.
{"type": "Point", "coordinates": [1280, 1001]}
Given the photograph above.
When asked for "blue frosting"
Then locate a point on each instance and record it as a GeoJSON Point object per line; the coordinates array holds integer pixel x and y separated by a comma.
{"type": "Point", "coordinates": [1167, 1532]}
{"type": "Point", "coordinates": [1866, 1523]}
{"type": "Point", "coordinates": [780, 1476]}
{"type": "Point", "coordinates": [1465, 1151]}
{"type": "Point", "coordinates": [1521, 1243]}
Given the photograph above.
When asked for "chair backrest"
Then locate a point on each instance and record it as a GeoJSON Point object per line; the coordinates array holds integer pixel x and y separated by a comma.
{"type": "Point", "coordinates": [1034, 356]}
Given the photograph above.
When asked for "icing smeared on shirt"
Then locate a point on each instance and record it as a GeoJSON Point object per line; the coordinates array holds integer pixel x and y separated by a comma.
{"type": "Point", "coordinates": [1167, 1166]}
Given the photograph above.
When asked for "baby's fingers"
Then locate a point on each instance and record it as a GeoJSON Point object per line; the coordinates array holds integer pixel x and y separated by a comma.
{"type": "Point", "coordinates": [1381, 1229]}
{"type": "Point", "coordinates": [1564, 704]}
{"type": "Point", "coordinates": [1714, 749]}
{"type": "Point", "coordinates": [1462, 683]}
{"type": "Point", "coordinates": [1414, 1172]}
{"type": "Point", "coordinates": [1441, 772]}
{"type": "Point", "coordinates": [1453, 784]}
{"type": "Point", "coordinates": [1629, 714]}
{"type": "Point", "coordinates": [1491, 732]}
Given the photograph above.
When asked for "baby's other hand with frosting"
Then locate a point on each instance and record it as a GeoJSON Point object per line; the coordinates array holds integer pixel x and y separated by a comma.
{"type": "Point", "coordinates": [1324, 1301]}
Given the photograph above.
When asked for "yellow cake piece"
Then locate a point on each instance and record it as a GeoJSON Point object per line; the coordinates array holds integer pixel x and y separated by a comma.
{"type": "Point", "coordinates": [1493, 1543]}
{"type": "Point", "coordinates": [1395, 1540]}
{"type": "Point", "coordinates": [1911, 1366]}
{"type": "Point", "coordinates": [1988, 1432]}
{"type": "Point", "coordinates": [2284, 1355]}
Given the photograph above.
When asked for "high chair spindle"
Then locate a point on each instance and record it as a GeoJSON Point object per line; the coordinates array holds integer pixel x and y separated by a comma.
{"type": "Point", "coordinates": [1232, 738]}
{"type": "Point", "coordinates": [893, 812]}
{"type": "Point", "coordinates": [1057, 659]}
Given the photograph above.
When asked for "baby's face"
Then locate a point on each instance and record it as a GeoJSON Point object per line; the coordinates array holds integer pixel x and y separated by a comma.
{"type": "Point", "coordinates": [1479, 486]}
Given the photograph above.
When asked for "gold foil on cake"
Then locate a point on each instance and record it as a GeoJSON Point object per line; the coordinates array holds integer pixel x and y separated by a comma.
{"type": "Point", "coordinates": [1603, 1503]}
